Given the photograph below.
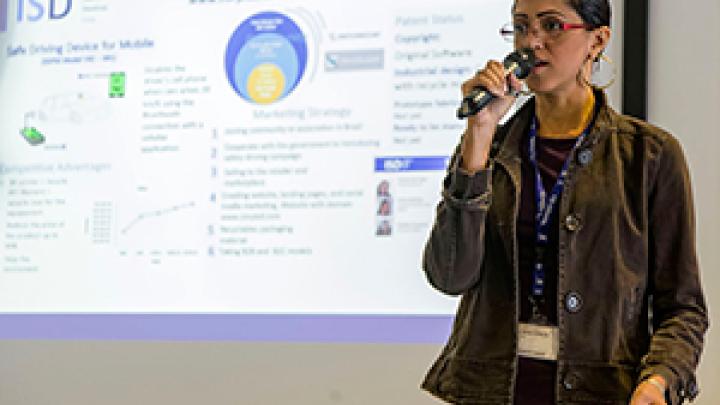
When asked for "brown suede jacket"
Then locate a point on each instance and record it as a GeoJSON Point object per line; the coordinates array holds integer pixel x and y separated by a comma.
{"type": "Point", "coordinates": [630, 303]}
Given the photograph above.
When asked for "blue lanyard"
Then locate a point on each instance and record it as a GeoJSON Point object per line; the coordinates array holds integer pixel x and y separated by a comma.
{"type": "Point", "coordinates": [544, 206]}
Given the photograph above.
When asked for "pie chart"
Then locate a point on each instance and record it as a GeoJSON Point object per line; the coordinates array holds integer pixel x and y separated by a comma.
{"type": "Point", "coordinates": [266, 57]}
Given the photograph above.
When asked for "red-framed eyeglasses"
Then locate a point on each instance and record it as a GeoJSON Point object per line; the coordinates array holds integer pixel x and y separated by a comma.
{"type": "Point", "coordinates": [550, 27]}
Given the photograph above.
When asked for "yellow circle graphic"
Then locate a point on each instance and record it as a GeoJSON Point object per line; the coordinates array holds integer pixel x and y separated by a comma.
{"type": "Point", "coordinates": [266, 83]}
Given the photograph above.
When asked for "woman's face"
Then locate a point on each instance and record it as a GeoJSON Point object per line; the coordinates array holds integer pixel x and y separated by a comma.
{"type": "Point", "coordinates": [384, 208]}
{"type": "Point", "coordinates": [561, 54]}
{"type": "Point", "coordinates": [384, 188]}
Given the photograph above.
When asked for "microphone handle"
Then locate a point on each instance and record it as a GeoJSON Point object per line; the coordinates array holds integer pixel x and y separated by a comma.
{"type": "Point", "coordinates": [480, 97]}
{"type": "Point", "coordinates": [474, 102]}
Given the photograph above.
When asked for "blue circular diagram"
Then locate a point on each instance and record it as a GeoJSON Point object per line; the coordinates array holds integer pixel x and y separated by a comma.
{"type": "Point", "coordinates": [266, 57]}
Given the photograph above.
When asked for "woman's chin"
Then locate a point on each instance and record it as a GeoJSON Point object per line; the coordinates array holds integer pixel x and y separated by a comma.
{"type": "Point", "coordinates": [538, 85]}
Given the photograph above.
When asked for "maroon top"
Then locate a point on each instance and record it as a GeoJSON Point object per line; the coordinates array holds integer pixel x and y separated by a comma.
{"type": "Point", "coordinates": [536, 378]}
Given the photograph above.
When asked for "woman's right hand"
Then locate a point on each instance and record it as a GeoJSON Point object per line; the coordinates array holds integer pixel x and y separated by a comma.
{"type": "Point", "coordinates": [481, 126]}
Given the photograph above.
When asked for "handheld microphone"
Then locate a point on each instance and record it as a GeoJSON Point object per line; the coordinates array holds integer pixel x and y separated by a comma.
{"type": "Point", "coordinates": [518, 63]}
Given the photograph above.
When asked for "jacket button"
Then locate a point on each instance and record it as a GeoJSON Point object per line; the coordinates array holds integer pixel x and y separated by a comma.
{"type": "Point", "coordinates": [573, 302]}
{"type": "Point", "coordinates": [569, 382]}
{"type": "Point", "coordinates": [573, 222]}
{"type": "Point", "coordinates": [692, 390]}
{"type": "Point", "coordinates": [585, 156]}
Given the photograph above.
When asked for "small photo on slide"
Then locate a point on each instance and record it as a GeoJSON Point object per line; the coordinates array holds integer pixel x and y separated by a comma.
{"type": "Point", "coordinates": [384, 227]}
{"type": "Point", "coordinates": [383, 188]}
{"type": "Point", "coordinates": [384, 207]}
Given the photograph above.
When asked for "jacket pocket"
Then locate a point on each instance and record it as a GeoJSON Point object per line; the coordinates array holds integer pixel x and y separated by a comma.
{"type": "Point", "coordinates": [597, 383]}
{"type": "Point", "coordinates": [469, 380]}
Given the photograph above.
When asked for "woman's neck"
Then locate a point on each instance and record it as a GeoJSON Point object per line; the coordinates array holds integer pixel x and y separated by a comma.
{"type": "Point", "coordinates": [564, 115]}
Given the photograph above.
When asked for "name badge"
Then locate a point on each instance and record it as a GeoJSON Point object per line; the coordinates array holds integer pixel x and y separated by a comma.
{"type": "Point", "coordinates": [538, 341]}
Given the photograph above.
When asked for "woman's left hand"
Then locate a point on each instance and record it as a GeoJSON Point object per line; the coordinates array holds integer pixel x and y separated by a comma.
{"type": "Point", "coordinates": [648, 393]}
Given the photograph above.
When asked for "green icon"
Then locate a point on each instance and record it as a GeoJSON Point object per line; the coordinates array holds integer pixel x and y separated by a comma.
{"type": "Point", "coordinates": [117, 84]}
{"type": "Point", "coordinates": [32, 135]}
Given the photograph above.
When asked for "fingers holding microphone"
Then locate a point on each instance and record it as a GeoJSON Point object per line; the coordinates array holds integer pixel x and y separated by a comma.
{"type": "Point", "coordinates": [491, 84]}
{"type": "Point", "coordinates": [489, 87]}
{"type": "Point", "coordinates": [503, 87]}
{"type": "Point", "coordinates": [487, 97]}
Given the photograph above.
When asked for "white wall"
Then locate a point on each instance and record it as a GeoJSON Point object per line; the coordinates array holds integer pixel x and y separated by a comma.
{"type": "Point", "coordinates": [218, 373]}
{"type": "Point", "coordinates": [684, 98]}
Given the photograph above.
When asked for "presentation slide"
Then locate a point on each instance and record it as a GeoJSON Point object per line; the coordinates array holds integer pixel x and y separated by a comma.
{"type": "Point", "coordinates": [229, 157]}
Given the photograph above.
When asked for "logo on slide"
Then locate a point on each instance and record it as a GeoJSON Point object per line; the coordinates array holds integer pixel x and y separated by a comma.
{"type": "Point", "coordinates": [266, 57]}
{"type": "Point", "coordinates": [35, 11]}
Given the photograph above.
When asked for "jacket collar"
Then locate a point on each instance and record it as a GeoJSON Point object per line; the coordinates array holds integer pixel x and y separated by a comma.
{"type": "Point", "coordinates": [606, 122]}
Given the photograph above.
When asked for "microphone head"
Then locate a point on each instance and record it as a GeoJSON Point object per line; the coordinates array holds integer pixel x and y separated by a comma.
{"type": "Point", "coordinates": [524, 59]}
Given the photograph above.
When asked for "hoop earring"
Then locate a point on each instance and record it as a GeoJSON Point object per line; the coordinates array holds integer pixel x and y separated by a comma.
{"type": "Point", "coordinates": [605, 86]}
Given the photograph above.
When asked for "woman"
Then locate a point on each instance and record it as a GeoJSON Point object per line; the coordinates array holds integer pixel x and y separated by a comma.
{"type": "Point", "coordinates": [569, 232]}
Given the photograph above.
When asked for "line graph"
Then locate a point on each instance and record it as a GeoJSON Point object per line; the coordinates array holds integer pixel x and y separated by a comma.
{"type": "Point", "coordinates": [145, 216]}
